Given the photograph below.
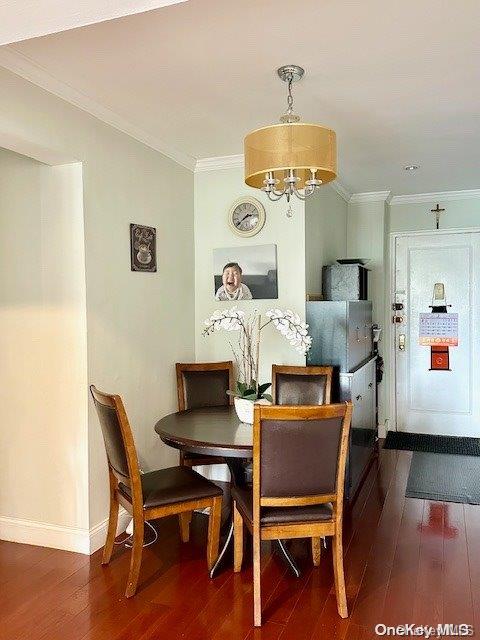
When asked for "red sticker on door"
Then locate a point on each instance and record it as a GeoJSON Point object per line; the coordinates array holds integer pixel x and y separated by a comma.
{"type": "Point", "coordinates": [440, 359]}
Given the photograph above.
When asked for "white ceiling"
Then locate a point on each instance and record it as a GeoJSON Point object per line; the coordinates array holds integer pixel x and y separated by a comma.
{"type": "Point", "coordinates": [22, 19]}
{"type": "Point", "coordinates": [398, 80]}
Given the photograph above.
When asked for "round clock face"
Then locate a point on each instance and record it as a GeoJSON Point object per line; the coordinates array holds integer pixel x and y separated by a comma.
{"type": "Point", "coordinates": [247, 216]}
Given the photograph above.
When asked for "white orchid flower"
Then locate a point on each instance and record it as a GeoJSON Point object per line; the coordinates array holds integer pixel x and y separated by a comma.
{"type": "Point", "coordinates": [288, 323]}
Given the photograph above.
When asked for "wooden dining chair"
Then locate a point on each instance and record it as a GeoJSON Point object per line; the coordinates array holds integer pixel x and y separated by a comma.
{"type": "Point", "coordinates": [299, 457]}
{"type": "Point", "coordinates": [148, 496]}
{"type": "Point", "coordinates": [292, 385]}
{"type": "Point", "coordinates": [301, 385]}
{"type": "Point", "coordinates": [203, 384]}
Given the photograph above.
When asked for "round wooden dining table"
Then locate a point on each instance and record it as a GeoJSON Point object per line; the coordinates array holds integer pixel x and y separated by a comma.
{"type": "Point", "coordinates": [216, 431]}
{"type": "Point", "coordinates": [212, 431]}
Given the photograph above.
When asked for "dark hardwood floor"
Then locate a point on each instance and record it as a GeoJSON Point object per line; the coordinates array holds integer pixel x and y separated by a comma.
{"type": "Point", "coordinates": [406, 560]}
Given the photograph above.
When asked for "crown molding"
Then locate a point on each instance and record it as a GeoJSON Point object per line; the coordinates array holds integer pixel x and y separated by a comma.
{"type": "Point", "coordinates": [340, 188]}
{"type": "Point", "coordinates": [444, 196]}
{"type": "Point", "coordinates": [369, 196]}
{"type": "Point", "coordinates": [23, 66]}
{"type": "Point", "coordinates": [219, 162]}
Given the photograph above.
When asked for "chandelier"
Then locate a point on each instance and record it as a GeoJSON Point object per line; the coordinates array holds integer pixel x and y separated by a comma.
{"type": "Point", "coordinates": [293, 157]}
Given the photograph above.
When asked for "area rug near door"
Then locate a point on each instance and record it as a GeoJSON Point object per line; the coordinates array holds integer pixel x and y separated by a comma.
{"type": "Point", "coordinates": [459, 446]}
{"type": "Point", "coordinates": [436, 476]}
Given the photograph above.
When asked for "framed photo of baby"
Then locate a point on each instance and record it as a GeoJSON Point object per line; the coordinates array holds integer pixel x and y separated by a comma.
{"type": "Point", "coordinates": [245, 273]}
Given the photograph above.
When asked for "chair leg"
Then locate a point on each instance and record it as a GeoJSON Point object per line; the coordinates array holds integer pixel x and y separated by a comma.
{"type": "Point", "coordinates": [184, 520]}
{"type": "Point", "coordinates": [136, 557]}
{"type": "Point", "coordinates": [257, 594]}
{"type": "Point", "coordinates": [112, 522]}
{"type": "Point", "coordinates": [214, 521]}
{"type": "Point", "coordinates": [237, 539]}
{"type": "Point", "coordinates": [186, 517]}
{"type": "Point", "coordinates": [316, 551]}
{"type": "Point", "coordinates": [337, 548]}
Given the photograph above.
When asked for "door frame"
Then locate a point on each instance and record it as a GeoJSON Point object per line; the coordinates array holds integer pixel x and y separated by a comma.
{"type": "Point", "coordinates": [392, 401]}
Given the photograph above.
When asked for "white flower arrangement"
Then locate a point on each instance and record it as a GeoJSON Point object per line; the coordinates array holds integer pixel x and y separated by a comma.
{"type": "Point", "coordinates": [290, 326]}
{"type": "Point", "coordinates": [247, 353]}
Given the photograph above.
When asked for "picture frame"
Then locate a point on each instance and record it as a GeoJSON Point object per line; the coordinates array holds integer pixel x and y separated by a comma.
{"type": "Point", "coordinates": [245, 273]}
{"type": "Point", "coordinates": [143, 248]}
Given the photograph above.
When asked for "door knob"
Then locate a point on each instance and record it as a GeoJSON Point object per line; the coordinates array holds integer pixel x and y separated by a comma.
{"type": "Point", "coordinates": [401, 342]}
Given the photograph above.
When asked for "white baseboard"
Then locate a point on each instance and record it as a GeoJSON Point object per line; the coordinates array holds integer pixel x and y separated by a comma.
{"type": "Point", "coordinates": [98, 533]}
{"type": "Point", "coordinates": [43, 534]}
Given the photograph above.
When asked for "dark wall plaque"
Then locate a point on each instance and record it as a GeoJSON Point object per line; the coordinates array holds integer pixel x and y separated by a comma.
{"type": "Point", "coordinates": [143, 248]}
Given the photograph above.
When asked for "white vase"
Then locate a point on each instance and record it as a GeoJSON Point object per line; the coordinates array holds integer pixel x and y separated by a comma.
{"type": "Point", "coordinates": [245, 408]}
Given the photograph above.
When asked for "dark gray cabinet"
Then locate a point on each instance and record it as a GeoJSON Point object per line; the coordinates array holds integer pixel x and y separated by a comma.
{"type": "Point", "coordinates": [359, 387]}
{"type": "Point", "coordinates": [342, 337]}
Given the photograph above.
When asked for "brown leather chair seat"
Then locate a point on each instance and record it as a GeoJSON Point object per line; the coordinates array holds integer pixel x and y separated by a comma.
{"type": "Point", "coordinates": [168, 486]}
{"type": "Point", "coordinates": [281, 515]}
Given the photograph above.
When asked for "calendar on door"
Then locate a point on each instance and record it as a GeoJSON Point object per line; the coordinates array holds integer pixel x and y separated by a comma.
{"type": "Point", "coordinates": [438, 329]}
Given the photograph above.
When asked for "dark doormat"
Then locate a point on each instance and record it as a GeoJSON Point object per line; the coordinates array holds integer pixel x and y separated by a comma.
{"type": "Point", "coordinates": [459, 446]}
{"type": "Point", "coordinates": [436, 476]}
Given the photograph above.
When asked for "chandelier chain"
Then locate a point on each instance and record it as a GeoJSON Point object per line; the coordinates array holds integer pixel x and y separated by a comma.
{"type": "Point", "coordinates": [290, 96]}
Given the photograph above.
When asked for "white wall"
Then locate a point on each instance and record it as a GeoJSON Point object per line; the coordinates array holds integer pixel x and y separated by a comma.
{"type": "Point", "coordinates": [365, 239]}
{"type": "Point", "coordinates": [215, 191]}
{"type": "Point", "coordinates": [325, 234]}
{"type": "Point", "coordinates": [138, 324]}
{"type": "Point", "coordinates": [43, 377]}
{"type": "Point", "coordinates": [459, 214]}
{"type": "Point", "coordinates": [366, 229]}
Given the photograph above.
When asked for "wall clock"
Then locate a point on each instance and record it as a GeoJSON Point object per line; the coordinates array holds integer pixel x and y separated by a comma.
{"type": "Point", "coordinates": [246, 216]}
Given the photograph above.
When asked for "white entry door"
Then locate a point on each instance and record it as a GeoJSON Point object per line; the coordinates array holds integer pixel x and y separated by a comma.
{"type": "Point", "coordinates": [445, 402]}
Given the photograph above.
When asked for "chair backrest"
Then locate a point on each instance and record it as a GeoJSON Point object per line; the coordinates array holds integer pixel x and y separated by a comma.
{"type": "Point", "coordinates": [204, 384]}
{"type": "Point", "coordinates": [299, 454]}
{"type": "Point", "coordinates": [118, 438]}
{"type": "Point", "coordinates": [301, 385]}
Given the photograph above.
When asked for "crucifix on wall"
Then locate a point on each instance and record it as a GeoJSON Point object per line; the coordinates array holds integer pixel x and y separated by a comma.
{"type": "Point", "coordinates": [437, 211]}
